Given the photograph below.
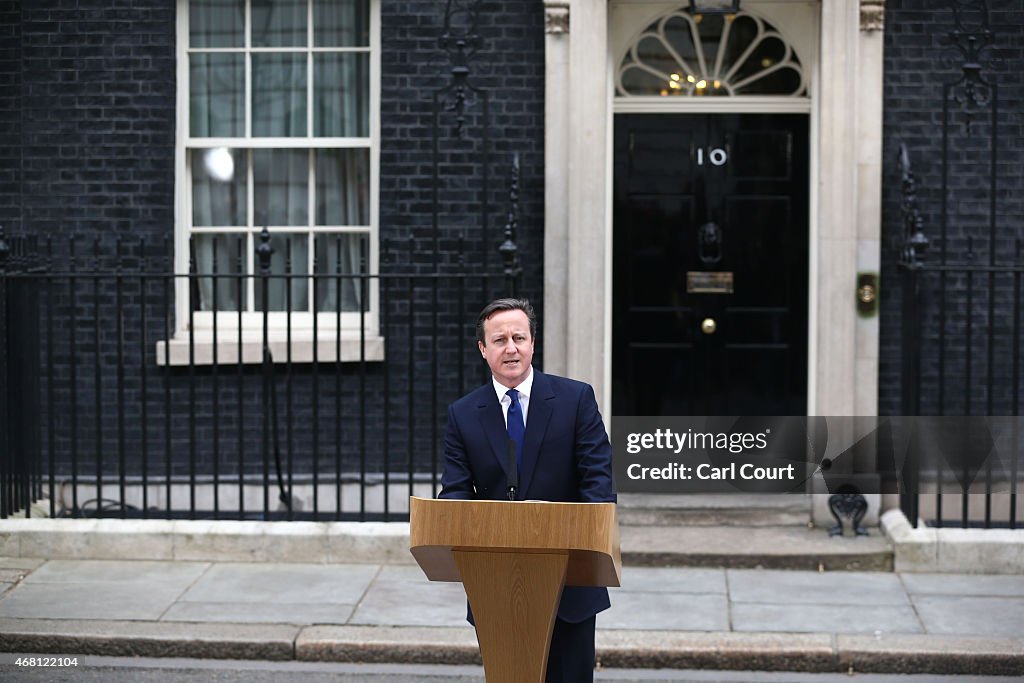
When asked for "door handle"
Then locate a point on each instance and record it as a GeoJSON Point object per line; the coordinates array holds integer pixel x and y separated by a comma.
{"type": "Point", "coordinates": [708, 326]}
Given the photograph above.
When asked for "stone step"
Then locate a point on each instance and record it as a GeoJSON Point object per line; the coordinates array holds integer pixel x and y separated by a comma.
{"type": "Point", "coordinates": [767, 547]}
{"type": "Point", "coordinates": [651, 509]}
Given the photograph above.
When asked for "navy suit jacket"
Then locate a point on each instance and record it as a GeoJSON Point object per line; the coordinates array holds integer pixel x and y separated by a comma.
{"type": "Point", "coordinates": [566, 458]}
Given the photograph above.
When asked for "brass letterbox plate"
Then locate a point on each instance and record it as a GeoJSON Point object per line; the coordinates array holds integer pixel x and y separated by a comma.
{"type": "Point", "coordinates": [708, 283]}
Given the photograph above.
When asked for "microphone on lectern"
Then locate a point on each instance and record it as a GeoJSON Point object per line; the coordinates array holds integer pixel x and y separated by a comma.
{"type": "Point", "coordinates": [513, 468]}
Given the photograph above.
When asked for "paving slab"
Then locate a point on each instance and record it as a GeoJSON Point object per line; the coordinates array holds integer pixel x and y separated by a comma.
{"type": "Point", "coordinates": [412, 602]}
{"type": "Point", "coordinates": [392, 572]}
{"type": "Point", "coordinates": [148, 639]}
{"type": "Point", "coordinates": [29, 563]}
{"type": "Point", "coordinates": [118, 572]}
{"type": "Point", "coordinates": [673, 580]}
{"type": "Point", "coordinates": [824, 588]}
{"type": "Point", "coordinates": [981, 616]}
{"type": "Point", "coordinates": [249, 613]}
{"type": "Point", "coordinates": [964, 584]}
{"type": "Point", "coordinates": [282, 583]}
{"type": "Point", "coordinates": [663, 611]}
{"type": "Point", "coordinates": [804, 618]}
{"type": "Point", "coordinates": [89, 600]}
{"type": "Point", "coordinates": [12, 576]}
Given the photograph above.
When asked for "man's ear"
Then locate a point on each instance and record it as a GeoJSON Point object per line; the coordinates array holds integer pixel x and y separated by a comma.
{"type": "Point", "coordinates": [480, 345]}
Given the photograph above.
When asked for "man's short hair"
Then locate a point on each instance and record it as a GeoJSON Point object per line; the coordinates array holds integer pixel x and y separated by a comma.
{"type": "Point", "coordinates": [508, 304]}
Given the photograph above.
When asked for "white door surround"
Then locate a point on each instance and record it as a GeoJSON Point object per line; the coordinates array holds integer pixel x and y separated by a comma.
{"type": "Point", "coordinates": [843, 52]}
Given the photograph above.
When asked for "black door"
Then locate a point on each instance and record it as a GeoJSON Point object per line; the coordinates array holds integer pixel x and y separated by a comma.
{"type": "Point", "coordinates": [710, 264]}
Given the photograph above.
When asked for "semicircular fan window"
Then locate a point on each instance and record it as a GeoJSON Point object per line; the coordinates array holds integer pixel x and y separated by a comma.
{"type": "Point", "coordinates": [710, 55]}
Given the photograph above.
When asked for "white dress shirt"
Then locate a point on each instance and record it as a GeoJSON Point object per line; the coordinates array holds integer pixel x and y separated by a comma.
{"type": "Point", "coordinates": [524, 388]}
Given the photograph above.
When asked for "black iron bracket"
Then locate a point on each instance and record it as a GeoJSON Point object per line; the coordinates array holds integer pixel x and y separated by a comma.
{"type": "Point", "coordinates": [461, 41]}
{"type": "Point", "coordinates": [915, 243]}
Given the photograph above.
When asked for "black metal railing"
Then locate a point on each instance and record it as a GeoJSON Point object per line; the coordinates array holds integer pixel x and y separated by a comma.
{"type": "Point", "coordinates": [962, 299]}
{"type": "Point", "coordinates": [111, 409]}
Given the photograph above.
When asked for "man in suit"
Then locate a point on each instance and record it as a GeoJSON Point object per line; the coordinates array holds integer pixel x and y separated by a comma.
{"type": "Point", "coordinates": [563, 455]}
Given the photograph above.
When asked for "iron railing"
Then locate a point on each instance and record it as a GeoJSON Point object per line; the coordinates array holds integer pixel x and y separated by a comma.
{"type": "Point", "coordinates": [962, 299]}
{"type": "Point", "coordinates": [102, 416]}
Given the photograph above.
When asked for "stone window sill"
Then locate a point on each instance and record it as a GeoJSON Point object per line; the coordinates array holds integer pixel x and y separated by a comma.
{"type": "Point", "coordinates": [198, 349]}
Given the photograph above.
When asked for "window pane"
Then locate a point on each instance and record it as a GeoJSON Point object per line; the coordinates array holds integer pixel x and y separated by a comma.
{"type": "Point", "coordinates": [338, 256]}
{"type": "Point", "coordinates": [342, 186]}
{"type": "Point", "coordinates": [281, 23]}
{"type": "Point", "coordinates": [216, 95]}
{"type": "Point", "coordinates": [279, 95]}
{"type": "Point", "coordinates": [216, 23]}
{"type": "Point", "coordinates": [638, 81]}
{"type": "Point", "coordinates": [218, 186]}
{"type": "Point", "coordinates": [341, 94]}
{"type": "Point", "coordinates": [768, 52]}
{"type": "Point", "coordinates": [280, 186]}
{"type": "Point", "coordinates": [221, 259]}
{"type": "Point", "coordinates": [290, 257]}
{"type": "Point", "coordinates": [785, 80]}
{"type": "Point", "coordinates": [341, 23]}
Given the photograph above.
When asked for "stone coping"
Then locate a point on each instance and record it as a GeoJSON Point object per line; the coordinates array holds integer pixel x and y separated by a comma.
{"type": "Point", "coordinates": [953, 551]}
{"type": "Point", "coordinates": [439, 645]}
{"type": "Point", "coordinates": [210, 541]}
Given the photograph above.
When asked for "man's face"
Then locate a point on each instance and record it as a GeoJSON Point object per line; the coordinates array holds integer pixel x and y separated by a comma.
{"type": "Point", "coordinates": [509, 346]}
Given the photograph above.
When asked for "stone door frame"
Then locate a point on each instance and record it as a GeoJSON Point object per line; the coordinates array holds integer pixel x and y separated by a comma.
{"type": "Point", "coordinates": [845, 219]}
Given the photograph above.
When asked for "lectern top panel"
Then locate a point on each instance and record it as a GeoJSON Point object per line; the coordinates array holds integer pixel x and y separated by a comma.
{"type": "Point", "coordinates": [587, 532]}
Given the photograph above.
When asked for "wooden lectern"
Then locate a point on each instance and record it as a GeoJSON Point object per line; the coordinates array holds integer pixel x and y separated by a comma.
{"type": "Point", "coordinates": [514, 559]}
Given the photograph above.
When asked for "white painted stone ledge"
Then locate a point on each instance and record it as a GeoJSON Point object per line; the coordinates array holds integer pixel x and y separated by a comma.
{"type": "Point", "coordinates": [953, 551]}
{"type": "Point", "coordinates": [212, 541]}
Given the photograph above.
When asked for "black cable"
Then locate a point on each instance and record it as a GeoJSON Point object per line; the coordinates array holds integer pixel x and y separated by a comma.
{"type": "Point", "coordinates": [268, 376]}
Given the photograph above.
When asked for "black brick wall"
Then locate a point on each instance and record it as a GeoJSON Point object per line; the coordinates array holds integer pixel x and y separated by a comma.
{"type": "Point", "coordinates": [10, 115]}
{"type": "Point", "coordinates": [917, 64]}
{"type": "Point", "coordinates": [87, 107]}
{"type": "Point", "coordinates": [507, 71]}
{"type": "Point", "coordinates": [97, 104]}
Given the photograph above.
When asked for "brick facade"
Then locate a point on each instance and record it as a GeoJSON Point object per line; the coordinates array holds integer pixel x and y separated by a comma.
{"type": "Point", "coordinates": [917, 64]}
{"type": "Point", "coordinates": [87, 125]}
{"type": "Point", "coordinates": [89, 93]}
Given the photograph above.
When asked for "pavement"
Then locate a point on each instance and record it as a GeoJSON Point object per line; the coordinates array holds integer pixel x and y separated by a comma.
{"type": "Point", "coordinates": [661, 617]}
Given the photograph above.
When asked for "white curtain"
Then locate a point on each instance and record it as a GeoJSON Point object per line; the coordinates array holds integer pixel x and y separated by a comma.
{"type": "Point", "coordinates": [341, 94]}
{"type": "Point", "coordinates": [290, 257]}
{"type": "Point", "coordinates": [230, 262]}
{"type": "Point", "coordinates": [340, 254]}
{"type": "Point", "coordinates": [341, 23]}
{"type": "Point", "coordinates": [279, 23]}
{"type": "Point", "coordinates": [216, 23]}
{"type": "Point", "coordinates": [216, 95]}
{"type": "Point", "coordinates": [278, 94]}
{"type": "Point", "coordinates": [281, 177]}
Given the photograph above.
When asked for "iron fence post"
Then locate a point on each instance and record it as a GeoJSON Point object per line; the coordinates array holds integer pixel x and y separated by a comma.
{"type": "Point", "coordinates": [6, 471]}
{"type": "Point", "coordinates": [264, 252]}
{"type": "Point", "coordinates": [911, 262]}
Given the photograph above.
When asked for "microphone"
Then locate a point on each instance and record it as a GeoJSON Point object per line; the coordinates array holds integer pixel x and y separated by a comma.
{"type": "Point", "coordinates": [513, 468]}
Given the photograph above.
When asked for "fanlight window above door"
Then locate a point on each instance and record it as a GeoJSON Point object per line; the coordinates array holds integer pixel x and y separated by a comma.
{"type": "Point", "coordinates": [684, 55]}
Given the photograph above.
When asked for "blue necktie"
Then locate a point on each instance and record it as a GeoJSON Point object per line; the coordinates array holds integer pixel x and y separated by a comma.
{"type": "Point", "coordinates": [516, 425]}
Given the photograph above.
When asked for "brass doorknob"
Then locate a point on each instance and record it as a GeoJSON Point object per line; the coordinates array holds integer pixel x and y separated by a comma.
{"type": "Point", "coordinates": [708, 326]}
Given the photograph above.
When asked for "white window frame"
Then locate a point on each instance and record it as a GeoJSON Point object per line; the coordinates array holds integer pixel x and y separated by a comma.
{"type": "Point", "coordinates": [359, 337]}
